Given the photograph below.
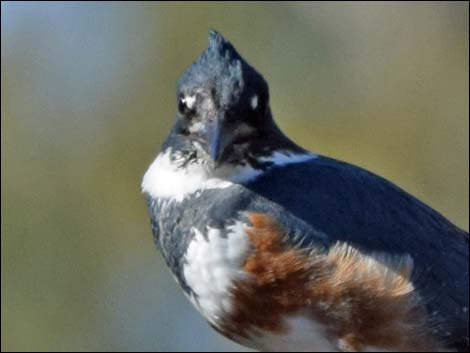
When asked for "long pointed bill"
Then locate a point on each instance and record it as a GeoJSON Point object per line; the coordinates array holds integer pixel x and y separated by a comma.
{"type": "Point", "coordinates": [217, 139]}
{"type": "Point", "coordinates": [213, 140]}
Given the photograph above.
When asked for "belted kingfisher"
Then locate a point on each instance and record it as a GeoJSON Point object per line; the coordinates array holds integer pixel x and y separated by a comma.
{"type": "Point", "coordinates": [281, 249]}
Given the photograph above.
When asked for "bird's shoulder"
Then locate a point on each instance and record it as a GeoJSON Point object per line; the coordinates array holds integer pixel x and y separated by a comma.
{"type": "Point", "coordinates": [348, 202]}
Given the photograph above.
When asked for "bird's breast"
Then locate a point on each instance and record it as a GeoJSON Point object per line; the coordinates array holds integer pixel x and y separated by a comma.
{"type": "Point", "coordinates": [243, 283]}
{"type": "Point", "coordinates": [252, 282]}
{"type": "Point", "coordinates": [213, 263]}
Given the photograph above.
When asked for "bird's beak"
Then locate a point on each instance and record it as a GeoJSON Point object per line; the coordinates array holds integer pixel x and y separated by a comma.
{"type": "Point", "coordinates": [217, 139]}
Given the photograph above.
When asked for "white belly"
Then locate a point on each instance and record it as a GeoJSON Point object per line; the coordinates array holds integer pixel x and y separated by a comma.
{"type": "Point", "coordinates": [303, 335]}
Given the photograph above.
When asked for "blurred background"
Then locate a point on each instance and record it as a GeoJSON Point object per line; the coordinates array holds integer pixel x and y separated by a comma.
{"type": "Point", "coordinates": [88, 95]}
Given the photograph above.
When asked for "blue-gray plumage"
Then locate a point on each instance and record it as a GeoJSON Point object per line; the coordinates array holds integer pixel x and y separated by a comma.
{"type": "Point", "coordinates": [226, 159]}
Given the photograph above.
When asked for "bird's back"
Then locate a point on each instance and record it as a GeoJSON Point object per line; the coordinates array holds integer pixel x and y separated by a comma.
{"type": "Point", "coordinates": [351, 205]}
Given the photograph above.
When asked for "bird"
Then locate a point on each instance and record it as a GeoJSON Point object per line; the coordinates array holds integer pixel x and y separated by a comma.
{"type": "Point", "coordinates": [283, 249]}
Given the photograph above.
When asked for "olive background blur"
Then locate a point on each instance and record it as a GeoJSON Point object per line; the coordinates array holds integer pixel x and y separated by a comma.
{"type": "Point", "coordinates": [88, 96]}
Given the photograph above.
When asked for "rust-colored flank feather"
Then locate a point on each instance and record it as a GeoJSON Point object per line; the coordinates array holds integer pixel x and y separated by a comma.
{"type": "Point", "coordinates": [361, 300]}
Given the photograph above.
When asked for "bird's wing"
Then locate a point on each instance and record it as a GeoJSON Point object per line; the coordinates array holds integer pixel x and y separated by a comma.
{"type": "Point", "coordinates": [341, 202]}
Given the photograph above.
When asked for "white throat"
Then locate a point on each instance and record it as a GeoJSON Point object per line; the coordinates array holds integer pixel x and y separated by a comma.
{"type": "Point", "coordinates": [168, 177]}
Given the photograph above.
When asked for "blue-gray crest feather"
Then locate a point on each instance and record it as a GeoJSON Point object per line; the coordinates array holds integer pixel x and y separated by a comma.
{"type": "Point", "coordinates": [221, 68]}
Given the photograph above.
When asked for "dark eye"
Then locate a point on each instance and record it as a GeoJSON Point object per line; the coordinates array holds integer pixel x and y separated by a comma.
{"type": "Point", "coordinates": [186, 105]}
{"type": "Point", "coordinates": [182, 107]}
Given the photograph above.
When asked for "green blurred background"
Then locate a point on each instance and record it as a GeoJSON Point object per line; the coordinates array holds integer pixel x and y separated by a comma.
{"type": "Point", "coordinates": [88, 95]}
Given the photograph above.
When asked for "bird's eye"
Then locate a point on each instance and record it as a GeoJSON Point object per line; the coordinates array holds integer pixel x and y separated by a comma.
{"type": "Point", "coordinates": [182, 107]}
{"type": "Point", "coordinates": [186, 105]}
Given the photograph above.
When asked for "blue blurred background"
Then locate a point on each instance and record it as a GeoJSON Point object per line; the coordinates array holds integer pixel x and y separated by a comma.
{"type": "Point", "coordinates": [88, 95]}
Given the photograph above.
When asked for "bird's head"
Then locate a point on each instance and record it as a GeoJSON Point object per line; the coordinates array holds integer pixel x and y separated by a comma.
{"type": "Point", "coordinates": [223, 107]}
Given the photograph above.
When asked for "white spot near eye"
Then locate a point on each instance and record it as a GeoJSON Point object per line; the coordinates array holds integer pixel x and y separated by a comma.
{"type": "Point", "coordinates": [189, 101]}
{"type": "Point", "coordinates": [254, 102]}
